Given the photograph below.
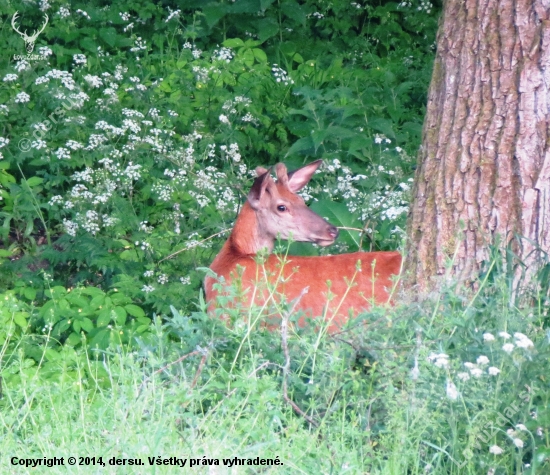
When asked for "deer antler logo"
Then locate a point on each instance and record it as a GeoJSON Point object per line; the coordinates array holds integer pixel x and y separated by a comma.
{"type": "Point", "coordinates": [29, 40]}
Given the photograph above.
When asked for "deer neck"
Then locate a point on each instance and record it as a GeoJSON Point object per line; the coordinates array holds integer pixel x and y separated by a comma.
{"type": "Point", "coordinates": [246, 237]}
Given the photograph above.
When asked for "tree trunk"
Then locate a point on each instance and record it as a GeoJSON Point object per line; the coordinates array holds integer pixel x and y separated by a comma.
{"type": "Point", "coordinates": [483, 175]}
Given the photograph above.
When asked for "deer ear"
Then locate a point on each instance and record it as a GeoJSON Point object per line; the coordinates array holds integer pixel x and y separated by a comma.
{"type": "Point", "coordinates": [300, 178]}
{"type": "Point", "coordinates": [258, 188]}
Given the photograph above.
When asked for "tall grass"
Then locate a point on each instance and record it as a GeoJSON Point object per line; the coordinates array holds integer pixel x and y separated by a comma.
{"type": "Point", "coordinates": [417, 388]}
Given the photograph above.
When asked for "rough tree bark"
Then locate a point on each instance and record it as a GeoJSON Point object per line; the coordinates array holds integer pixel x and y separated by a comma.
{"type": "Point", "coordinates": [483, 173]}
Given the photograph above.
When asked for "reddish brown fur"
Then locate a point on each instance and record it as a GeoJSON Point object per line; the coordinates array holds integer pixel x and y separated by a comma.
{"type": "Point", "coordinates": [248, 237]}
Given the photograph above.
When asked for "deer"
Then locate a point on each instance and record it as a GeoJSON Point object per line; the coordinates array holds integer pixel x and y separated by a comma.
{"type": "Point", "coordinates": [274, 209]}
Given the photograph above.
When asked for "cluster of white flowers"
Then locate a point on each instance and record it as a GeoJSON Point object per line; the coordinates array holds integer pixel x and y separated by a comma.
{"type": "Point", "coordinates": [22, 97]}
{"type": "Point", "coordinates": [173, 14]}
{"type": "Point", "coordinates": [425, 5]}
{"type": "Point", "coordinates": [281, 75]}
{"type": "Point", "coordinates": [84, 14]}
{"type": "Point", "coordinates": [10, 77]}
{"type": "Point", "coordinates": [520, 340]}
{"type": "Point", "coordinates": [441, 360]}
{"type": "Point", "coordinates": [93, 81]}
{"type": "Point", "coordinates": [3, 143]}
{"type": "Point", "coordinates": [223, 54]}
{"type": "Point", "coordinates": [80, 59]}
{"type": "Point", "coordinates": [64, 11]}
{"type": "Point", "coordinates": [139, 45]}
{"type": "Point", "coordinates": [65, 77]}
{"type": "Point", "coordinates": [232, 153]}
{"type": "Point", "coordinates": [22, 65]}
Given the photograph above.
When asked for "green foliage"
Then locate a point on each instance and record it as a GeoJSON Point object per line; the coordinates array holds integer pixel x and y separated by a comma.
{"type": "Point", "coordinates": [128, 143]}
{"type": "Point", "coordinates": [412, 389]}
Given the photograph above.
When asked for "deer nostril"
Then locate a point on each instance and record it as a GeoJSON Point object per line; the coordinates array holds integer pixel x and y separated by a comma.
{"type": "Point", "coordinates": [333, 232]}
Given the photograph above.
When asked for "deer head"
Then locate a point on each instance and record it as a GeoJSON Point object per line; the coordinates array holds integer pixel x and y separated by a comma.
{"type": "Point", "coordinates": [280, 211]}
{"type": "Point", "coordinates": [29, 40]}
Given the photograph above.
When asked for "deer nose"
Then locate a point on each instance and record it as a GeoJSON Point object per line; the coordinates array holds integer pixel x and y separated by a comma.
{"type": "Point", "coordinates": [333, 232]}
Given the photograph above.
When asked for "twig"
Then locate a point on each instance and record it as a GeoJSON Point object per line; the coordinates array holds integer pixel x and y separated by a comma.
{"type": "Point", "coordinates": [286, 367]}
{"type": "Point", "coordinates": [347, 228]}
{"type": "Point", "coordinates": [179, 360]}
{"type": "Point", "coordinates": [265, 364]}
{"type": "Point", "coordinates": [194, 245]}
{"type": "Point", "coordinates": [199, 369]}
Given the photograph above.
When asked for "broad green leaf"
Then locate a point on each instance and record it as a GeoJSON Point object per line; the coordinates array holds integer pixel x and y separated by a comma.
{"type": "Point", "coordinates": [20, 318]}
{"type": "Point", "coordinates": [134, 310]}
{"type": "Point", "coordinates": [233, 43]}
{"type": "Point", "coordinates": [104, 318]}
{"type": "Point", "coordinates": [260, 56]}
{"type": "Point", "coordinates": [34, 181]}
{"type": "Point", "coordinates": [339, 215]}
{"type": "Point", "coordinates": [73, 339]}
{"type": "Point", "coordinates": [120, 315]}
{"type": "Point", "coordinates": [301, 145]}
{"type": "Point", "coordinates": [108, 35]}
{"type": "Point", "coordinates": [87, 324]}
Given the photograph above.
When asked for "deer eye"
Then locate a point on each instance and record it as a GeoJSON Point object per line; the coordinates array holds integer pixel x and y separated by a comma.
{"type": "Point", "coordinates": [281, 208]}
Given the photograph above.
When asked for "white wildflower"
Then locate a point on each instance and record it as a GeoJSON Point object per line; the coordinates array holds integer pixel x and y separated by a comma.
{"type": "Point", "coordinates": [22, 97]}
{"type": "Point", "coordinates": [482, 360]}
{"type": "Point", "coordinates": [463, 376]}
{"type": "Point", "coordinates": [518, 443]}
{"type": "Point", "coordinates": [522, 341]}
{"type": "Point", "coordinates": [452, 392]}
{"type": "Point", "coordinates": [476, 372]}
{"type": "Point", "coordinates": [508, 347]}
{"type": "Point", "coordinates": [441, 360]}
{"type": "Point", "coordinates": [496, 450]}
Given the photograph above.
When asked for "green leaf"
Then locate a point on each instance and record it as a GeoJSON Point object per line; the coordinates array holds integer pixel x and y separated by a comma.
{"type": "Point", "coordinates": [104, 318]}
{"type": "Point", "coordinates": [73, 339]}
{"type": "Point", "coordinates": [91, 291]}
{"type": "Point", "coordinates": [294, 11]}
{"type": "Point", "coordinates": [213, 13]}
{"type": "Point", "coordinates": [384, 126]}
{"type": "Point", "coordinates": [318, 137]}
{"type": "Point", "coordinates": [29, 293]}
{"type": "Point", "coordinates": [34, 181]}
{"type": "Point", "coordinates": [267, 28]}
{"type": "Point", "coordinates": [134, 310]}
{"type": "Point", "coordinates": [20, 319]}
{"type": "Point", "coordinates": [88, 44]}
{"type": "Point", "coordinates": [298, 58]}
{"type": "Point", "coordinates": [108, 35]}
{"type": "Point", "coordinates": [87, 324]}
{"type": "Point", "coordinates": [100, 339]}
{"type": "Point", "coordinates": [260, 56]}
{"type": "Point", "coordinates": [97, 302]}
{"type": "Point", "coordinates": [129, 255]}
{"type": "Point", "coordinates": [118, 298]}
{"type": "Point", "coordinates": [301, 145]}
{"type": "Point", "coordinates": [233, 43]}
{"type": "Point", "coordinates": [248, 57]}
{"type": "Point", "coordinates": [120, 315]}
{"type": "Point", "coordinates": [246, 6]}
{"type": "Point", "coordinates": [339, 215]}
